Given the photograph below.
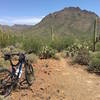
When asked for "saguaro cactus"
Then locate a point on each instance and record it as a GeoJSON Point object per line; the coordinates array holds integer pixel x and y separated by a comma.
{"type": "Point", "coordinates": [52, 34]}
{"type": "Point", "coordinates": [95, 33]}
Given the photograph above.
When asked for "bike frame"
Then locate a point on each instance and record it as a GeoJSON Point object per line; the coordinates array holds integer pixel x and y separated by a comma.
{"type": "Point", "coordinates": [16, 67]}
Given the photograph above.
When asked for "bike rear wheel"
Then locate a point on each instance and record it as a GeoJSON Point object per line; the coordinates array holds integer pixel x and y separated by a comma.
{"type": "Point", "coordinates": [5, 82]}
{"type": "Point", "coordinates": [29, 74]}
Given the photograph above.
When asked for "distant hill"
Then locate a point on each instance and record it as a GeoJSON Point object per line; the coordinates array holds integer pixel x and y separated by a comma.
{"type": "Point", "coordinates": [15, 28]}
{"type": "Point", "coordinates": [69, 21]}
{"type": "Point", "coordinates": [19, 27]}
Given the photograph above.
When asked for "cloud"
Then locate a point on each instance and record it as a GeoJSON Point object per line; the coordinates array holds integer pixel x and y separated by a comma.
{"type": "Point", "coordinates": [20, 20]}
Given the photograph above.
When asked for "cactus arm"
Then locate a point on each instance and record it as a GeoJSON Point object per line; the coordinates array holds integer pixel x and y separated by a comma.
{"type": "Point", "coordinates": [94, 35]}
{"type": "Point", "coordinates": [52, 34]}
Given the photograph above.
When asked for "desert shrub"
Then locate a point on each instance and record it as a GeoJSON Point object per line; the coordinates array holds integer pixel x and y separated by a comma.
{"type": "Point", "coordinates": [7, 39]}
{"type": "Point", "coordinates": [72, 50]}
{"type": "Point", "coordinates": [98, 46]}
{"type": "Point", "coordinates": [32, 44]}
{"type": "Point", "coordinates": [18, 45]}
{"type": "Point", "coordinates": [4, 63]}
{"type": "Point", "coordinates": [82, 57]}
{"type": "Point", "coordinates": [60, 44]}
{"type": "Point", "coordinates": [75, 48]}
{"type": "Point", "coordinates": [32, 58]}
{"type": "Point", "coordinates": [95, 54]}
{"type": "Point", "coordinates": [57, 56]}
{"type": "Point", "coordinates": [11, 49]}
{"type": "Point", "coordinates": [94, 64]}
{"type": "Point", "coordinates": [7, 49]}
{"type": "Point", "coordinates": [64, 54]}
{"type": "Point", "coordinates": [47, 52]}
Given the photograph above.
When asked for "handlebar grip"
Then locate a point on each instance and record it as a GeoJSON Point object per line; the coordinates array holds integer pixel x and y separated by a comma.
{"type": "Point", "coordinates": [7, 56]}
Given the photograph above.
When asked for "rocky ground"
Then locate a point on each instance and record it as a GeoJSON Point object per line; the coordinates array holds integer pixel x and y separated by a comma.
{"type": "Point", "coordinates": [60, 80]}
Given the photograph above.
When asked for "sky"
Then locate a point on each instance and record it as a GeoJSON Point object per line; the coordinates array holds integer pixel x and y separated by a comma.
{"type": "Point", "coordinates": [31, 12]}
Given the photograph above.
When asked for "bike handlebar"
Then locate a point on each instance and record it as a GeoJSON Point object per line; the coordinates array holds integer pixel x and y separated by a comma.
{"type": "Point", "coordinates": [19, 53]}
{"type": "Point", "coordinates": [8, 56]}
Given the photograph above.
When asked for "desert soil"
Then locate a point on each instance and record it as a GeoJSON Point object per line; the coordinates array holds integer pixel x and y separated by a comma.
{"type": "Point", "coordinates": [60, 80]}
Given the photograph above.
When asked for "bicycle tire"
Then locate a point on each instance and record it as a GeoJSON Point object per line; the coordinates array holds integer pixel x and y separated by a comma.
{"type": "Point", "coordinates": [5, 82]}
{"type": "Point", "coordinates": [29, 74]}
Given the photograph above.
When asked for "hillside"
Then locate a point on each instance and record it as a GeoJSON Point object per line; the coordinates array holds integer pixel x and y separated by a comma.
{"type": "Point", "coordinates": [69, 21]}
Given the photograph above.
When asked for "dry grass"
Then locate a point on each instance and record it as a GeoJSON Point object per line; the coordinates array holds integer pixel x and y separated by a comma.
{"type": "Point", "coordinates": [32, 58]}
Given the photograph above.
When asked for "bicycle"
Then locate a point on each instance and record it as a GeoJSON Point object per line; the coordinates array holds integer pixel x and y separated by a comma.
{"type": "Point", "coordinates": [10, 79]}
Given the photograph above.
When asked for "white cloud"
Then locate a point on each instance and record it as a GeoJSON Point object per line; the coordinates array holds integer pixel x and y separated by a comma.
{"type": "Point", "coordinates": [20, 20]}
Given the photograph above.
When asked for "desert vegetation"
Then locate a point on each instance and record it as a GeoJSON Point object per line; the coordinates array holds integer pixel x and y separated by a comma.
{"type": "Point", "coordinates": [55, 38]}
{"type": "Point", "coordinates": [78, 49]}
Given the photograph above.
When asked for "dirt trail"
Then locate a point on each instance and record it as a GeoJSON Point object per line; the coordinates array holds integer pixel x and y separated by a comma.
{"type": "Point", "coordinates": [59, 80]}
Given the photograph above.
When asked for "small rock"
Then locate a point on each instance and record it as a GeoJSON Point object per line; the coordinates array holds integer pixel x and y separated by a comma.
{"type": "Point", "coordinates": [58, 91]}
{"type": "Point", "coordinates": [45, 72]}
{"type": "Point", "coordinates": [48, 73]}
{"type": "Point", "coordinates": [42, 89]}
{"type": "Point", "coordinates": [46, 65]}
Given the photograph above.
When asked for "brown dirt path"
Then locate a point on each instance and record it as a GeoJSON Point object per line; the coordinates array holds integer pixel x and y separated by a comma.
{"type": "Point", "coordinates": [59, 80]}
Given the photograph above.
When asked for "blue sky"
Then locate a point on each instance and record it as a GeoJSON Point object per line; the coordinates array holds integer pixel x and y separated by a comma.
{"type": "Point", "coordinates": [32, 11]}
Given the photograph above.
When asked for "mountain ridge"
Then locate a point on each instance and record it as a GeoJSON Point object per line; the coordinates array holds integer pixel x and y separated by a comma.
{"type": "Point", "coordinates": [68, 21]}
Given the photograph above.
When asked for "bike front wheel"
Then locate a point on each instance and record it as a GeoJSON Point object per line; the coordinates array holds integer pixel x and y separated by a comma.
{"type": "Point", "coordinates": [5, 82]}
{"type": "Point", "coordinates": [29, 74]}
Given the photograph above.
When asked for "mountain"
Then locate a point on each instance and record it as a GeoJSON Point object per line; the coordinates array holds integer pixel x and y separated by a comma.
{"type": "Point", "coordinates": [69, 21]}
{"type": "Point", "coordinates": [19, 27]}
{"type": "Point", "coordinates": [15, 28]}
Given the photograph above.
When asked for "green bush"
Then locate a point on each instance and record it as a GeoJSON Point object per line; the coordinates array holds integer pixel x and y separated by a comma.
{"type": "Point", "coordinates": [94, 64]}
{"type": "Point", "coordinates": [7, 39]}
{"type": "Point", "coordinates": [19, 45]}
{"type": "Point", "coordinates": [95, 54]}
{"type": "Point", "coordinates": [47, 52]}
{"type": "Point", "coordinates": [4, 63]}
{"type": "Point", "coordinates": [82, 57]}
{"type": "Point", "coordinates": [60, 44]}
{"type": "Point", "coordinates": [11, 49]}
{"type": "Point", "coordinates": [98, 46]}
{"type": "Point", "coordinates": [73, 49]}
{"type": "Point", "coordinates": [32, 44]}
